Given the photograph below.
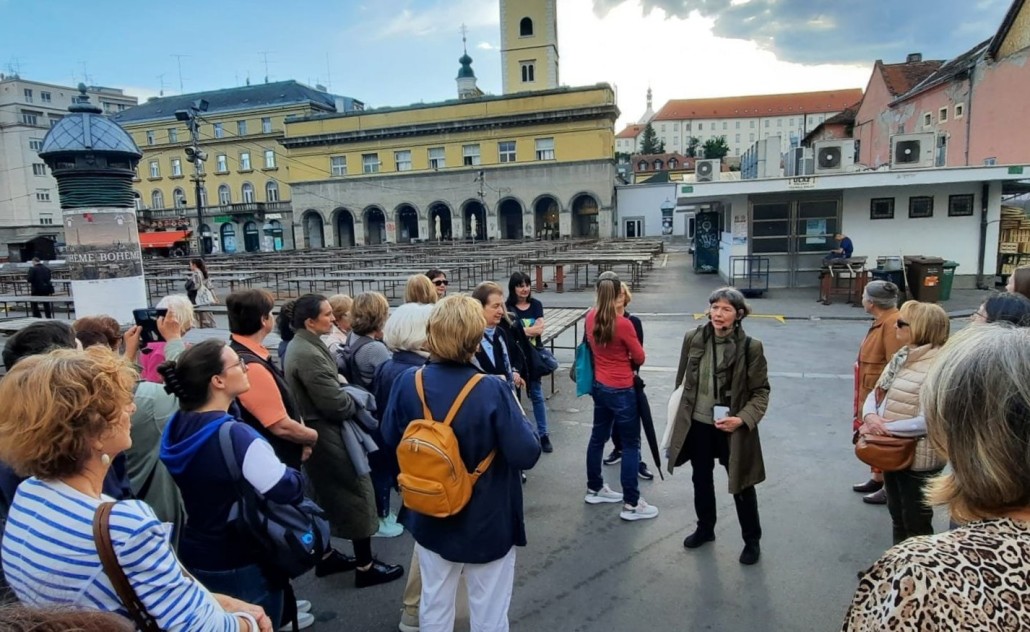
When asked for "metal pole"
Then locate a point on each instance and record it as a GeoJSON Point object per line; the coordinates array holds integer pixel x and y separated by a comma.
{"type": "Point", "coordinates": [197, 178]}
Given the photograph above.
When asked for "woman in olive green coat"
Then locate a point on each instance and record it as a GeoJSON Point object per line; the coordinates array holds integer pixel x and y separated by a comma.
{"type": "Point", "coordinates": [347, 497]}
{"type": "Point", "coordinates": [725, 382]}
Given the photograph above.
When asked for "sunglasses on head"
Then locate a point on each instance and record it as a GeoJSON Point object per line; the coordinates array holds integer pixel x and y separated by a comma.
{"type": "Point", "coordinates": [440, 282]}
{"type": "Point", "coordinates": [902, 323]}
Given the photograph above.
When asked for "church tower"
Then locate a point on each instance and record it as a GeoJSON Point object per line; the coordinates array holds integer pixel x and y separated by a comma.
{"type": "Point", "coordinates": [529, 45]}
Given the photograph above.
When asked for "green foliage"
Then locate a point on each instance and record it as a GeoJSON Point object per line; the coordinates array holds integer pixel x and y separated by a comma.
{"type": "Point", "coordinates": [716, 147]}
{"type": "Point", "coordinates": [692, 144]}
{"type": "Point", "coordinates": [649, 141]}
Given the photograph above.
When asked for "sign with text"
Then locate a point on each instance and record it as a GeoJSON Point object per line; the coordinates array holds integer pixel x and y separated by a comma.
{"type": "Point", "coordinates": [804, 182]}
{"type": "Point", "coordinates": [104, 262]}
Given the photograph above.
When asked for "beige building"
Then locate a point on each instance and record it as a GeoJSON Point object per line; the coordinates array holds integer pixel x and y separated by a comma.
{"type": "Point", "coordinates": [30, 212]}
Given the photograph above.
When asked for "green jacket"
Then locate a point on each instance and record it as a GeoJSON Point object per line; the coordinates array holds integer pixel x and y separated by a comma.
{"type": "Point", "coordinates": [749, 399]}
{"type": "Point", "coordinates": [347, 497]}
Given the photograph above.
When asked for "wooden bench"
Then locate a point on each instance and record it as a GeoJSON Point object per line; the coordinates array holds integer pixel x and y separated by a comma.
{"type": "Point", "coordinates": [558, 320]}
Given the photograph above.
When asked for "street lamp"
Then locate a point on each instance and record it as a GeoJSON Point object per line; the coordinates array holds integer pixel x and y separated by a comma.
{"type": "Point", "coordinates": [194, 154]}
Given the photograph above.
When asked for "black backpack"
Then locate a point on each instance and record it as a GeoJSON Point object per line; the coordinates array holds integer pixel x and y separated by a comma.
{"type": "Point", "coordinates": [291, 538]}
{"type": "Point", "coordinates": [345, 355]}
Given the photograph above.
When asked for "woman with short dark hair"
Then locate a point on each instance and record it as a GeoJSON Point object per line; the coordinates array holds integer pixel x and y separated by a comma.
{"type": "Point", "coordinates": [529, 312]}
{"type": "Point", "coordinates": [1007, 307]}
{"type": "Point", "coordinates": [439, 279]}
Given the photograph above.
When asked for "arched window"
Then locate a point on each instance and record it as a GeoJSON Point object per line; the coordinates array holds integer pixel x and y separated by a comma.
{"type": "Point", "coordinates": [642, 165]}
{"type": "Point", "coordinates": [224, 196]}
{"type": "Point", "coordinates": [525, 27]}
{"type": "Point", "coordinates": [658, 165]}
{"type": "Point", "coordinates": [179, 198]}
{"type": "Point", "coordinates": [272, 191]}
{"type": "Point", "coordinates": [673, 163]}
{"type": "Point", "coordinates": [248, 193]}
{"type": "Point", "coordinates": [157, 199]}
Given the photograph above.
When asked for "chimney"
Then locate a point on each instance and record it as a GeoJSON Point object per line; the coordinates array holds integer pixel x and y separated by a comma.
{"type": "Point", "coordinates": [913, 58]}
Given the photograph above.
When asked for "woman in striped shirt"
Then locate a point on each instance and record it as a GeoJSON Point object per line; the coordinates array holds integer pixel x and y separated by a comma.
{"type": "Point", "coordinates": [63, 417]}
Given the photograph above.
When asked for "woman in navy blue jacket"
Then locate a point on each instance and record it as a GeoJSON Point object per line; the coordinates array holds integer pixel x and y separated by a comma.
{"type": "Point", "coordinates": [207, 378]}
{"type": "Point", "coordinates": [480, 540]}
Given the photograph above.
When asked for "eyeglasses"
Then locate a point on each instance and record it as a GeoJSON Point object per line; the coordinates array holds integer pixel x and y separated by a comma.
{"type": "Point", "coordinates": [440, 282]}
{"type": "Point", "coordinates": [978, 314]}
{"type": "Point", "coordinates": [242, 364]}
{"type": "Point", "coordinates": [902, 324]}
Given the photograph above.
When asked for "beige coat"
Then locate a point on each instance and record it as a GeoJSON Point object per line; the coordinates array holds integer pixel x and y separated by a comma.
{"type": "Point", "coordinates": [749, 399]}
{"type": "Point", "coordinates": [902, 401]}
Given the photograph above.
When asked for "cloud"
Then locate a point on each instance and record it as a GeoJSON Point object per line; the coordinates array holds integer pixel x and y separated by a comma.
{"type": "Point", "coordinates": [429, 19]}
{"type": "Point", "coordinates": [486, 46]}
{"type": "Point", "coordinates": [832, 31]}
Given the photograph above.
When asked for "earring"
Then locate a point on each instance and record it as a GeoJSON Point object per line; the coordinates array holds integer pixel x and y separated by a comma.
{"type": "Point", "coordinates": [105, 459]}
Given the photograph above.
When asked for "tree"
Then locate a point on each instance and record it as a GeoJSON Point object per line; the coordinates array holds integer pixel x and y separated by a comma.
{"type": "Point", "coordinates": [661, 147]}
{"type": "Point", "coordinates": [716, 147]}
{"type": "Point", "coordinates": [649, 141]}
{"type": "Point", "coordinates": [692, 144]}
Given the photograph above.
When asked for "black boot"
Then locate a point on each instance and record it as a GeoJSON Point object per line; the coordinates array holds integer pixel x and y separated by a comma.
{"type": "Point", "coordinates": [751, 553]}
{"type": "Point", "coordinates": [867, 487]}
{"type": "Point", "coordinates": [335, 562]}
{"type": "Point", "coordinates": [698, 538]}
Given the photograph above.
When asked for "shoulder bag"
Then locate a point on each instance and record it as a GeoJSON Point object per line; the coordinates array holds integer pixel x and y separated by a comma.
{"type": "Point", "coordinates": [885, 452]}
{"type": "Point", "coordinates": [133, 604]}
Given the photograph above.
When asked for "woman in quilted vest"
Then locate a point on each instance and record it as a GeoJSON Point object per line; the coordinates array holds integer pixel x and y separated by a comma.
{"type": "Point", "coordinates": [892, 408]}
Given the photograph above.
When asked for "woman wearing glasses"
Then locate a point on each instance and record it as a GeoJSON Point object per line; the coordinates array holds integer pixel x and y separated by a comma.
{"type": "Point", "coordinates": [439, 279]}
{"type": "Point", "coordinates": [893, 408]}
{"type": "Point", "coordinates": [1007, 307]}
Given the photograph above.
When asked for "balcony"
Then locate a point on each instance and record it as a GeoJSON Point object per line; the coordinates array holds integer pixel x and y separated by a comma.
{"type": "Point", "coordinates": [257, 209]}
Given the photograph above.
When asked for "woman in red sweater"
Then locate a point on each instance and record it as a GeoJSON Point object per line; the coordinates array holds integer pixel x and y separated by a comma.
{"type": "Point", "coordinates": [616, 350]}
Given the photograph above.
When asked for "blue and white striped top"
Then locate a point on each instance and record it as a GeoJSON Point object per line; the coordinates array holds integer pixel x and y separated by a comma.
{"type": "Point", "coordinates": [50, 559]}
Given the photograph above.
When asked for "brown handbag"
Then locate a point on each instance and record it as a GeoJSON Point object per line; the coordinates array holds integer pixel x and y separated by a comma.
{"type": "Point", "coordinates": [887, 453]}
{"type": "Point", "coordinates": [102, 538]}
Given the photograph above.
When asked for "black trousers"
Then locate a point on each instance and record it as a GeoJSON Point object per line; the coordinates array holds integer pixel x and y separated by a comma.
{"type": "Point", "coordinates": [910, 515]}
{"type": "Point", "coordinates": [48, 308]}
{"type": "Point", "coordinates": [704, 445]}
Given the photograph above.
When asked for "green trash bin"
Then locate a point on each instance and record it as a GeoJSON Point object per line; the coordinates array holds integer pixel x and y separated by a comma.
{"type": "Point", "coordinates": [947, 278]}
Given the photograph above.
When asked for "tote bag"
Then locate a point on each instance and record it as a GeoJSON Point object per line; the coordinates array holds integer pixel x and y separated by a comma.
{"type": "Point", "coordinates": [583, 369]}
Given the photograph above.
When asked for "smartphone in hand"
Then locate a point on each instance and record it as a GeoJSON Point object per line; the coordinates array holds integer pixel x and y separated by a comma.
{"type": "Point", "coordinates": [146, 318]}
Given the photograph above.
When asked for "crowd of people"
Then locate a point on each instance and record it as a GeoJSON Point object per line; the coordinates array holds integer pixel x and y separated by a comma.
{"type": "Point", "coordinates": [169, 433]}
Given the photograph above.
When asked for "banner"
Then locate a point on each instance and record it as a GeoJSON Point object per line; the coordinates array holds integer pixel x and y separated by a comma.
{"type": "Point", "coordinates": [104, 262]}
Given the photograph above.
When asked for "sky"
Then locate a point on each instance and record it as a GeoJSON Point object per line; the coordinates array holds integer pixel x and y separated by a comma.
{"type": "Point", "coordinates": [400, 52]}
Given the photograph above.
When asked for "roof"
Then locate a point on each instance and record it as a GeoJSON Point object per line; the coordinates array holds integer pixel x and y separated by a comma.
{"type": "Point", "coordinates": [685, 162]}
{"type": "Point", "coordinates": [631, 131]}
{"type": "Point", "coordinates": [86, 129]}
{"type": "Point", "coordinates": [230, 99]}
{"type": "Point", "coordinates": [1006, 26]}
{"type": "Point", "coordinates": [759, 105]}
{"type": "Point", "coordinates": [900, 78]}
{"type": "Point", "coordinates": [950, 70]}
{"type": "Point", "coordinates": [845, 117]}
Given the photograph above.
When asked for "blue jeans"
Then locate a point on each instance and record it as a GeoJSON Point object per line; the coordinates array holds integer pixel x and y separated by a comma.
{"type": "Point", "coordinates": [247, 583]}
{"type": "Point", "coordinates": [616, 406]}
{"type": "Point", "coordinates": [535, 389]}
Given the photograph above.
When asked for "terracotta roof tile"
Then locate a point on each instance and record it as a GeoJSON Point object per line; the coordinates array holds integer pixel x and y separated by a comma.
{"type": "Point", "coordinates": [759, 105]}
{"type": "Point", "coordinates": [946, 71]}
{"type": "Point", "coordinates": [631, 131]}
{"type": "Point", "coordinates": [900, 78]}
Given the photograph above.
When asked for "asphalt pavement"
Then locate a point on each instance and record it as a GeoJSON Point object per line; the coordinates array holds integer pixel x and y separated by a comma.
{"type": "Point", "coordinates": [586, 570]}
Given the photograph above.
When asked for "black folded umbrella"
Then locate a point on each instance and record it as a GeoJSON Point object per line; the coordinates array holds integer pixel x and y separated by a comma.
{"type": "Point", "coordinates": [647, 423]}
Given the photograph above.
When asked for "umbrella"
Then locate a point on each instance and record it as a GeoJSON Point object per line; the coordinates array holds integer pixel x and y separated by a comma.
{"type": "Point", "coordinates": [647, 423]}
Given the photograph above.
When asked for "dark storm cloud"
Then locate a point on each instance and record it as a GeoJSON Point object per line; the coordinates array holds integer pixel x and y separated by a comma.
{"type": "Point", "coordinates": [838, 31]}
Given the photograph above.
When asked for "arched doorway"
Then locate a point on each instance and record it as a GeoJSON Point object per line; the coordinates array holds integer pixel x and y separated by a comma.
{"type": "Point", "coordinates": [206, 243]}
{"type": "Point", "coordinates": [375, 226]}
{"type": "Point", "coordinates": [475, 210]}
{"type": "Point", "coordinates": [407, 224]}
{"type": "Point", "coordinates": [273, 235]}
{"type": "Point", "coordinates": [314, 230]}
{"type": "Point", "coordinates": [344, 228]}
{"type": "Point", "coordinates": [251, 237]}
{"type": "Point", "coordinates": [584, 216]}
{"type": "Point", "coordinates": [440, 222]}
{"type": "Point", "coordinates": [228, 232]}
{"type": "Point", "coordinates": [510, 216]}
{"type": "Point", "coordinates": [545, 215]}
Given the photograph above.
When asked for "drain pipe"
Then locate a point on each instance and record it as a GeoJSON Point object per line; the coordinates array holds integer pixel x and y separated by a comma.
{"type": "Point", "coordinates": [980, 283]}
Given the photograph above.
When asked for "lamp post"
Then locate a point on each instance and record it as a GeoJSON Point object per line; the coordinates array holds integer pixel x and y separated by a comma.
{"type": "Point", "coordinates": [194, 154]}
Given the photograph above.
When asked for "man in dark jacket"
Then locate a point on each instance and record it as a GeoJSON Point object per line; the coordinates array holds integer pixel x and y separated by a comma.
{"type": "Point", "coordinates": [40, 285]}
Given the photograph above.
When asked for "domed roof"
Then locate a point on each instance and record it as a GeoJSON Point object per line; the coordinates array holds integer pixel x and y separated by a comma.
{"type": "Point", "coordinates": [85, 129]}
{"type": "Point", "coordinates": [465, 72]}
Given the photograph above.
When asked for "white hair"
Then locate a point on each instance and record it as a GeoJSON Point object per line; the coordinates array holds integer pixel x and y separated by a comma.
{"type": "Point", "coordinates": [405, 330]}
{"type": "Point", "coordinates": [181, 307]}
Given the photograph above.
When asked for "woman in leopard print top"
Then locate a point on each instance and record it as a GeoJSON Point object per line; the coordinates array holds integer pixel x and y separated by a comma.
{"type": "Point", "coordinates": [977, 577]}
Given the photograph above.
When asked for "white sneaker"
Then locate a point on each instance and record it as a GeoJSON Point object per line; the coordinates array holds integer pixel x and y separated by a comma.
{"type": "Point", "coordinates": [303, 605]}
{"type": "Point", "coordinates": [304, 620]}
{"type": "Point", "coordinates": [388, 529]}
{"type": "Point", "coordinates": [642, 511]}
{"type": "Point", "coordinates": [603, 495]}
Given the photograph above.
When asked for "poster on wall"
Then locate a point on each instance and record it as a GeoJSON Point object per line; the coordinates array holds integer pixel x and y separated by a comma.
{"type": "Point", "coordinates": [815, 229]}
{"type": "Point", "coordinates": [104, 262]}
{"type": "Point", "coordinates": [739, 229]}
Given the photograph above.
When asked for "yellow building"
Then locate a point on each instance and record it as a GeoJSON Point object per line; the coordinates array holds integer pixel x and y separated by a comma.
{"type": "Point", "coordinates": [530, 163]}
{"type": "Point", "coordinates": [245, 192]}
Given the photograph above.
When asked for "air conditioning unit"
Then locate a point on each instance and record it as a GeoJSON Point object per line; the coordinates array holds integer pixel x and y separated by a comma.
{"type": "Point", "coordinates": [707, 170]}
{"type": "Point", "coordinates": [834, 156]}
{"type": "Point", "coordinates": [912, 151]}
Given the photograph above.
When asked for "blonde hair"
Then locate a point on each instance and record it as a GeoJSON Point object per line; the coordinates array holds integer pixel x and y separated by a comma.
{"type": "Point", "coordinates": [341, 304]}
{"type": "Point", "coordinates": [928, 321]}
{"type": "Point", "coordinates": [420, 289]}
{"type": "Point", "coordinates": [977, 404]}
{"type": "Point", "coordinates": [627, 296]}
{"type": "Point", "coordinates": [405, 330]}
{"type": "Point", "coordinates": [180, 307]}
{"type": "Point", "coordinates": [369, 313]}
{"type": "Point", "coordinates": [55, 405]}
{"type": "Point", "coordinates": [455, 328]}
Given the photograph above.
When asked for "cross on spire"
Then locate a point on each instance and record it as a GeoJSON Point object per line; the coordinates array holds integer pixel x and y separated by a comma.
{"type": "Point", "coordinates": [464, 42]}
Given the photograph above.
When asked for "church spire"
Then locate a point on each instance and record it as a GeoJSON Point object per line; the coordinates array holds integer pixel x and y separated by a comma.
{"type": "Point", "coordinates": [466, 79]}
{"type": "Point", "coordinates": [649, 114]}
